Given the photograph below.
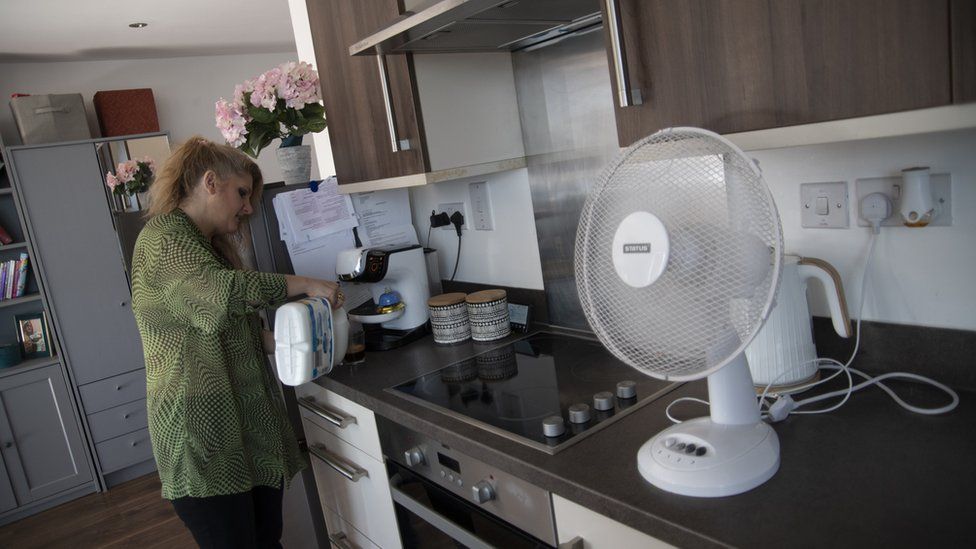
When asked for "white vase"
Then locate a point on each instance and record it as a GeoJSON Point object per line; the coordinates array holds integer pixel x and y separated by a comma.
{"type": "Point", "coordinates": [132, 203]}
{"type": "Point", "coordinates": [295, 163]}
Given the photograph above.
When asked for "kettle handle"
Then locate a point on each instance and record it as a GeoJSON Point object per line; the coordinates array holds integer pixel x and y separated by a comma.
{"type": "Point", "coordinates": [811, 267]}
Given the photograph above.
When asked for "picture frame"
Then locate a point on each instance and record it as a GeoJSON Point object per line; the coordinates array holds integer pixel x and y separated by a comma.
{"type": "Point", "coordinates": [33, 335]}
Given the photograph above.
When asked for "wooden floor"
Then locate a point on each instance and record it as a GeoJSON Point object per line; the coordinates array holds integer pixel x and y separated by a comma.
{"type": "Point", "coordinates": [130, 515]}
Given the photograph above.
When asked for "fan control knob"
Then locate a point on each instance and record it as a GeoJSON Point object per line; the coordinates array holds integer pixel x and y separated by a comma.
{"type": "Point", "coordinates": [414, 456]}
{"type": "Point", "coordinates": [553, 426]}
{"type": "Point", "coordinates": [579, 413]}
{"type": "Point", "coordinates": [482, 492]}
{"type": "Point", "coordinates": [603, 401]}
{"type": "Point", "coordinates": [627, 389]}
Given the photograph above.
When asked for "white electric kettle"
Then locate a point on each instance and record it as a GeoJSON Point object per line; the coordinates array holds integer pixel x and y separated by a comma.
{"type": "Point", "coordinates": [310, 339]}
{"type": "Point", "coordinates": [783, 352]}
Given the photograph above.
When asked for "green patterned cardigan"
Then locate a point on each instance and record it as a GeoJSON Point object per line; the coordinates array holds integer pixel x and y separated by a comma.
{"type": "Point", "coordinates": [216, 417]}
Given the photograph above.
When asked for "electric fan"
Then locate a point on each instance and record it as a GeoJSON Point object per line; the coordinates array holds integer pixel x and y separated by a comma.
{"type": "Point", "coordinates": [678, 257]}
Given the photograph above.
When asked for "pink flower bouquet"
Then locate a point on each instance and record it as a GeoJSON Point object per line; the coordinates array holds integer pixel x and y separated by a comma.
{"type": "Point", "coordinates": [131, 177]}
{"type": "Point", "coordinates": [281, 103]}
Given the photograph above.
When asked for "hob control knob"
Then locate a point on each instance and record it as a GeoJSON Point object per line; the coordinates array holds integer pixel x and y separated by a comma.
{"type": "Point", "coordinates": [579, 413]}
{"type": "Point", "coordinates": [482, 492]}
{"type": "Point", "coordinates": [553, 426]}
{"type": "Point", "coordinates": [414, 457]}
{"type": "Point", "coordinates": [603, 401]}
{"type": "Point", "coordinates": [626, 389]}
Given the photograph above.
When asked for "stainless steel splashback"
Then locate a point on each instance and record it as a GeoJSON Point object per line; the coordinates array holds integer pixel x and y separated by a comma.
{"type": "Point", "coordinates": [566, 109]}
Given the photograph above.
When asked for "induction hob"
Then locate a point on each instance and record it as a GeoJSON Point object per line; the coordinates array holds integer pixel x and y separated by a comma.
{"type": "Point", "coordinates": [546, 390]}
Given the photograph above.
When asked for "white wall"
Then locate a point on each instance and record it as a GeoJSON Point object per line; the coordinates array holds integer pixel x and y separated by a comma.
{"type": "Point", "coordinates": [918, 276]}
{"type": "Point", "coordinates": [185, 89]}
{"type": "Point", "coordinates": [508, 255]}
{"type": "Point", "coordinates": [322, 149]}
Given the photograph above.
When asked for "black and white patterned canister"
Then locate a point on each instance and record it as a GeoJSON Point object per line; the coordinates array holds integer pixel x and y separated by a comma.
{"type": "Point", "coordinates": [488, 314]}
{"type": "Point", "coordinates": [449, 318]}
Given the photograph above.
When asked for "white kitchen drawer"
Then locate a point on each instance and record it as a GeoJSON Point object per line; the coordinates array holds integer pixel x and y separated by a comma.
{"type": "Point", "coordinates": [340, 416]}
{"type": "Point", "coordinates": [597, 531]}
{"type": "Point", "coordinates": [360, 494]}
{"type": "Point", "coordinates": [342, 535]}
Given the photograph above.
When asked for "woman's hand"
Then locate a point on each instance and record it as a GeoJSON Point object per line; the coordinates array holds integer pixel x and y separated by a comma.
{"type": "Point", "coordinates": [314, 287]}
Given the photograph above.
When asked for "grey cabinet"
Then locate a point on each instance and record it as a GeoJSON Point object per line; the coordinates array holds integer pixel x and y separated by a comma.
{"type": "Point", "coordinates": [62, 193]}
{"type": "Point", "coordinates": [7, 499]}
{"type": "Point", "coordinates": [39, 437]}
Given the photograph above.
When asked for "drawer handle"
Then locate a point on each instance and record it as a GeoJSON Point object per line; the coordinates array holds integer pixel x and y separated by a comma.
{"type": "Point", "coordinates": [626, 97]}
{"type": "Point", "coordinates": [341, 541]}
{"type": "Point", "coordinates": [351, 472]}
{"type": "Point", "coordinates": [336, 418]}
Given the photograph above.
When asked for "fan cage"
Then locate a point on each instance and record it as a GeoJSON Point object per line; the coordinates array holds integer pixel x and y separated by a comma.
{"type": "Point", "coordinates": [725, 260]}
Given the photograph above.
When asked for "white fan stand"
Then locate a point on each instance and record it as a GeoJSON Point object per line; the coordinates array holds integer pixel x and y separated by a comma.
{"type": "Point", "coordinates": [741, 451]}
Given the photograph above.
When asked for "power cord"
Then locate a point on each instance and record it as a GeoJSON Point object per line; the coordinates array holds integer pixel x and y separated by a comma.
{"type": "Point", "coordinates": [875, 211]}
{"type": "Point", "coordinates": [457, 220]}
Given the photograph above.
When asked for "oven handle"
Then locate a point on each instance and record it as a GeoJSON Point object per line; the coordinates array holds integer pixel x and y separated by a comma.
{"type": "Point", "coordinates": [438, 521]}
{"type": "Point", "coordinates": [352, 473]}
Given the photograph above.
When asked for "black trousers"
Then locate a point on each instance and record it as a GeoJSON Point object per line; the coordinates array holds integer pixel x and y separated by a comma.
{"type": "Point", "coordinates": [250, 520]}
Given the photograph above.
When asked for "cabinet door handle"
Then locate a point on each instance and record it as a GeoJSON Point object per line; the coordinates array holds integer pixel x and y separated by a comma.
{"type": "Point", "coordinates": [341, 541]}
{"type": "Point", "coordinates": [626, 97]}
{"type": "Point", "coordinates": [575, 543]}
{"type": "Point", "coordinates": [395, 142]}
{"type": "Point", "coordinates": [338, 419]}
{"type": "Point", "coordinates": [351, 472]}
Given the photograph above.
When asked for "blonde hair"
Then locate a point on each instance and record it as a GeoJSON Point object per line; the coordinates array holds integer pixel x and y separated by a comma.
{"type": "Point", "coordinates": [185, 169]}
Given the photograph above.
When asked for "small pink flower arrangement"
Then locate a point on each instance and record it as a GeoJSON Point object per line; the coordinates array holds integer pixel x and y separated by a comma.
{"type": "Point", "coordinates": [281, 103]}
{"type": "Point", "coordinates": [131, 177]}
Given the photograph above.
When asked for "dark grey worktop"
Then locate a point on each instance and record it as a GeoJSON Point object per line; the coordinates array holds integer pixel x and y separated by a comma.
{"type": "Point", "coordinates": [870, 474]}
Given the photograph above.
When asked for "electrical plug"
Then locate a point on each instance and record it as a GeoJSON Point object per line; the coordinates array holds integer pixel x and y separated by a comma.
{"type": "Point", "coordinates": [781, 409]}
{"type": "Point", "coordinates": [875, 208]}
{"type": "Point", "coordinates": [439, 219]}
{"type": "Point", "coordinates": [457, 219]}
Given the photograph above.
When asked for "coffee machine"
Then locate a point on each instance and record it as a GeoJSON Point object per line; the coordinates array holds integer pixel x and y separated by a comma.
{"type": "Point", "coordinates": [397, 277]}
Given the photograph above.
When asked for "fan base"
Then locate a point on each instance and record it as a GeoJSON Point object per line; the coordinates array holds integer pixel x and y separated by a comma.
{"type": "Point", "coordinates": [737, 458]}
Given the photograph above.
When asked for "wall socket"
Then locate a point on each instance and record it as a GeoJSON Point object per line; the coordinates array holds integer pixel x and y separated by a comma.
{"type": "Point", "coordinates": [449, 208]}
{"type": "Point", "coordinates": [481, 206]}
{"type": "Point", "coordinates": [941, 184]}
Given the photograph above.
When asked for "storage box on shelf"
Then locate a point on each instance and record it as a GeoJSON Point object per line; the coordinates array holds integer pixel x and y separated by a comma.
{"type": "Point", "coordinates": [44, 459]}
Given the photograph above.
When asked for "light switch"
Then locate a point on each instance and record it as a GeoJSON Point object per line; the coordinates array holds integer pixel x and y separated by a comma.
{"type": "Point", "coordinates": [824, 205]}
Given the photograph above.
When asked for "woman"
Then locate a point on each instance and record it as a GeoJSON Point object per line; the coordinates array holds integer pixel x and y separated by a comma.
{"type": "Point", "coordinates": [222, 442]}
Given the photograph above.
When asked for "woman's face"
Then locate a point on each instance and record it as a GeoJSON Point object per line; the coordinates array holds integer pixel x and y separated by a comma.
{"type": "Point", "coordinates": [232, 203]}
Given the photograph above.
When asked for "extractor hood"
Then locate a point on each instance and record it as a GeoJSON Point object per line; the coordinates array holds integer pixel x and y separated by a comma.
{"type": "Point", "coordinates": [457, 26]}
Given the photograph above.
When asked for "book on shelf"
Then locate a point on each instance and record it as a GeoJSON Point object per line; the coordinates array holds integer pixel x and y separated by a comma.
{"type": "Point", "coordinates": [13, 277]}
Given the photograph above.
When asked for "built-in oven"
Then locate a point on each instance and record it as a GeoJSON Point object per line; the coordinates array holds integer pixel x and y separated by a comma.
{"type": "Point", "coordinates": [444, 498]}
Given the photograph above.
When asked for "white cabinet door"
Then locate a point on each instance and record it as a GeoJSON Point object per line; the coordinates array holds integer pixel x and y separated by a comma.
{"type": "Point", "coordinates": [597, 531]}
{"type": "Point", "coordinates": [340, 416]}
{"type": "Point", "coordinates": [342, 535]}
{"type": "Point", "coordinates": [353, 485]}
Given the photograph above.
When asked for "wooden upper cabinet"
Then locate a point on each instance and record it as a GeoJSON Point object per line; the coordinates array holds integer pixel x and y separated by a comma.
{"type": "Point", "coordinates": [353, 96]}
{"type": "Point", "coordinates": [963, 21]}
{"type": "Point", "coordinates": [741, 65]}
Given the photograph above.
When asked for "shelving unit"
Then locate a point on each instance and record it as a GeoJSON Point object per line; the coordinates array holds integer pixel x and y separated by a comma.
{"type": "Point", "coordinates": [31, 302]}
{"type": "Point", "coordinates": [45, 458]}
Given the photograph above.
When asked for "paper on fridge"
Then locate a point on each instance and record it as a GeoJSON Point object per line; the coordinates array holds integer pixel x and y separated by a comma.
{"type": "Point", "coordinates": [313, 215]}
{"type": "Point", "coordinates": [384, 218]}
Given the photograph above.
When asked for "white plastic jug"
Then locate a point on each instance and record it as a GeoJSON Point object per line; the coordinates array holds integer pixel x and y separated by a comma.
{"type": "Point", "coordinates": [310, 339]}
{"type": "Point", "coordinates": [783, 352]}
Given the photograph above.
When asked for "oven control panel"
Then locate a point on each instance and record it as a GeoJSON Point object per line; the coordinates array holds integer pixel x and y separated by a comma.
{"type": "Point", "coordinates": [508, 497]}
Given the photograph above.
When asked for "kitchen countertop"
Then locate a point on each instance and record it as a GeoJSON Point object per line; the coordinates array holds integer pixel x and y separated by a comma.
{"type": "Point", "coordinates": [869, 474]}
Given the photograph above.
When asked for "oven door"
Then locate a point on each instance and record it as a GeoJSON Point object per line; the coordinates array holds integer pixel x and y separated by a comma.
{"type": "Point", "coordinates": [430, 516]}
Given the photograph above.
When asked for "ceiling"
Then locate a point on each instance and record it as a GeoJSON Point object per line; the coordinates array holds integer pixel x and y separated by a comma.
{"type": "Point", "coordinates": [73, 30]}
